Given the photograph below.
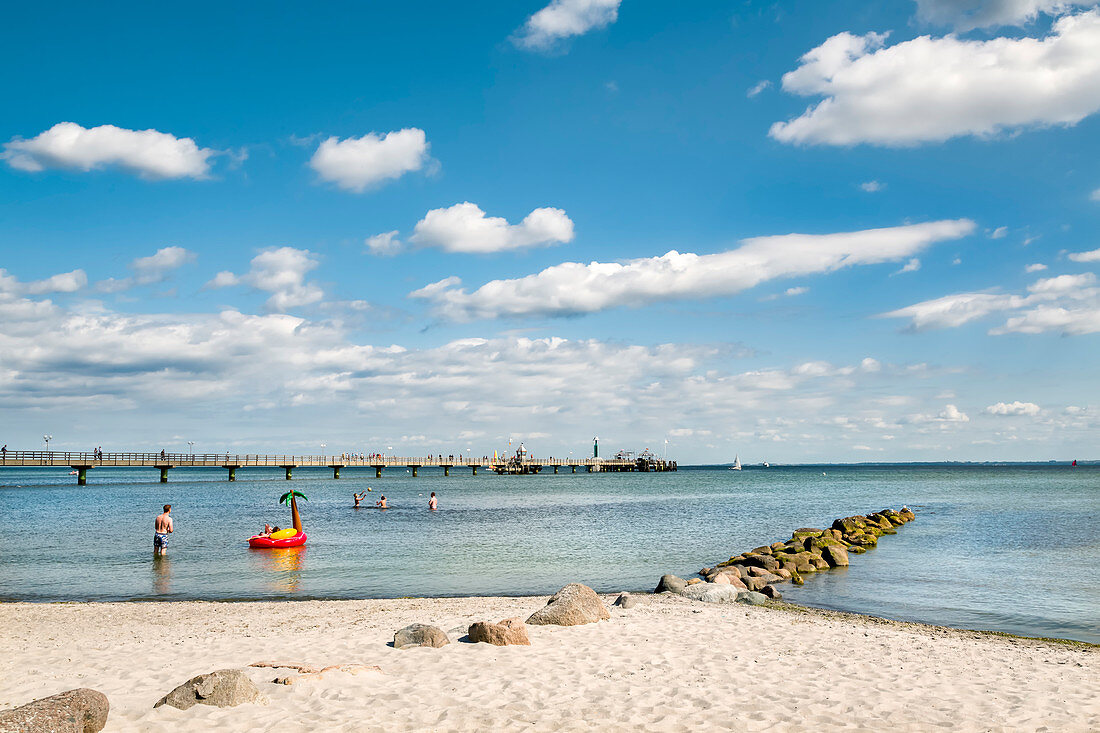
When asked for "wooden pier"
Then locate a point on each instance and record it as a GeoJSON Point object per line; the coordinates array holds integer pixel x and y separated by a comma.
{"type": "Point", "coordinates": [81, 463]}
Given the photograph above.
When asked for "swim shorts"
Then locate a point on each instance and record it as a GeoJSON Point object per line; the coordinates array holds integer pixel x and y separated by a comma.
{"type": "Point", "coordinates": [160, 540]}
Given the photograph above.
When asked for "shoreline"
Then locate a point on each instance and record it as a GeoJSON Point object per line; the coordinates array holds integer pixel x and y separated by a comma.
{"type": "Point", "coordinates": [667, 663]}
{"type": "Point", "coordinates": [780, 605]}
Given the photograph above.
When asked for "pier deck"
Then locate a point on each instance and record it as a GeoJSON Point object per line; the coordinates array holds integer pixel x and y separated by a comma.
{"type": "Point", "coordinates": [81, 462]}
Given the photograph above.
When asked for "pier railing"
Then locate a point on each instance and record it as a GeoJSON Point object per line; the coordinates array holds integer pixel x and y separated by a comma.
{"type": "Point", "coordinates": [223, 460]}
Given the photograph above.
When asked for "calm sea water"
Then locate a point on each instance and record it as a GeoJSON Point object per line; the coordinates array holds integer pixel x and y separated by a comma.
{"type": "Point", "coordinates": [1013, 549]}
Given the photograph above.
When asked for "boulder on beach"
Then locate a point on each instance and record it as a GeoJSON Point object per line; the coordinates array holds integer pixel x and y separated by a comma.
{"type": "Point", "coordinates": [509, 632]}
{"type": "Point", "coordinates": [671, 584]}
{"type": "Point", "coordinates": [223, 688]}
{"type": "Point", "coordinates": [415, 635]}
{"type": "Point", "coordinates": [711, 593]}
{"type": "Point", "coordinates": [82, 710]}
{"type": "Point", "coordinates": [573, 605]}
{"type": "Point", "coordinates": [751, 598]}
{"type": "Point", "coordinates": [719, 579]}
{"type": "Point", "coordinates": [625, 600]}
{"type": "Point", "coordinates": [771, 592]}
{"type": "Point", "coordinates": [836, 556]}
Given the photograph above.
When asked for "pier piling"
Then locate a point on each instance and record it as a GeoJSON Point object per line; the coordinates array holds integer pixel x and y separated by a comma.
{"type": "Point", "coordinates": [336, 471]}
{"type": "Point", "coordinates": [414, 470]}
{"type": "Point", "coordinates": [289, 470]}
{"type": "Point", "coordinates": [232, 473]}
{"type": "Point", "coordinates": [163, 474]}
{"type": "Point", "coordinates": [378, 472]}
{"type": "Point", "coordinates": [81, 475]}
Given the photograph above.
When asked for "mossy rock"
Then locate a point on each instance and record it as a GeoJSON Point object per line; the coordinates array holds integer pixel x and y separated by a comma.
{"type": "Point", "coordinates": [889, 531]}
{"type": "Point", "coordinates": [857, 550]}
{"type": "Point", "coordinates": [805, 532]}
{"type": "Point", "coordinates": [762, 550]}
{"type": "Point", "coordinates": [796, 578]}
{"type": "Point", "coordinates": [777, 546]}
{"type": "Point", "coordinates": [873, 530]}
{"type": "Point", "coordinates": [806, 567]}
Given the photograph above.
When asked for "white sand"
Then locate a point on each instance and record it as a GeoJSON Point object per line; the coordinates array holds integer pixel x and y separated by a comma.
{"type": "Point", "coordinates": [666, 664]}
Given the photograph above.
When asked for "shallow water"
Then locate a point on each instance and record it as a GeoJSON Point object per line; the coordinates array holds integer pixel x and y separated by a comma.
{"type": "Point", "coordinates": [1004, 548]}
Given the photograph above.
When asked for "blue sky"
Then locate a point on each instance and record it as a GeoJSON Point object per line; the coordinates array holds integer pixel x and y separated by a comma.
{"type": "Point", "coordinates": [436, 227]}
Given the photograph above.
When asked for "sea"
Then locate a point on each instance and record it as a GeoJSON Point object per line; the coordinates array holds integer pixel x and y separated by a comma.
{"type": "Point", "coordinates": [1011, 548]}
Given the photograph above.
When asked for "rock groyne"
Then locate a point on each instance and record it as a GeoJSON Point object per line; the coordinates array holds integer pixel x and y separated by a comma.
{"type": "Point", "coordinates": [809, 550]}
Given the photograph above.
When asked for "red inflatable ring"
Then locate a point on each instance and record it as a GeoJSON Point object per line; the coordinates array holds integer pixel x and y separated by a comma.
{"type": "Point", "coordinates": [295, 541]}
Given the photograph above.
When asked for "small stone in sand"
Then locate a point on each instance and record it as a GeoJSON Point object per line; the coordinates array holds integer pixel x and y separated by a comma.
{"type": "Point", "coordinates": [509, 632]}
{"type": "Point", "coordinates": [415, 635]}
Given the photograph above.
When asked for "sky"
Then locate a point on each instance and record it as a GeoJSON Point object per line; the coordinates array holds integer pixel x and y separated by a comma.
{"type": "Point", "coordinates": [790, 232]}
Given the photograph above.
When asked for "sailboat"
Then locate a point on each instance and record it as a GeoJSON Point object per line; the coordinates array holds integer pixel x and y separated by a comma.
{"type": "Point", "coordinates": [736, 464]}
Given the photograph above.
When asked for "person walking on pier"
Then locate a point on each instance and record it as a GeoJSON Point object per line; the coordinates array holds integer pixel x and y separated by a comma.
{"type": "Point", "coordinates": [162, 527]}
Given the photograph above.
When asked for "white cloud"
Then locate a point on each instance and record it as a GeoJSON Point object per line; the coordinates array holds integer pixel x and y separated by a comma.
{"type": "Point", "coordinates": [911, 266]}
{"type": "Point", "coordinates": [1036, 267]}
{"type": "Point", "coordinates": [384, 244]}
{"type": "Point", "coordinates": [966, 15]}
{"type": "Point", "coordinates": [282, 273]}
{"type": "Point", "coordinates": [757, 88]}
{"type": "Point", "coordinates": [870, 365]}
{"type": "Point", "coordinates": [357, 163]}
{"type": "Point", "coordinates": [1069, 303]}
{"type": "Point", "coordinates": [1095, 195]}
{"type": "Point", "coordinates": [933, 89]}
{"type": "Point", "coordinates": [951, 413]}
{"type": "Point", "coordinates": [872, 186]}
{"type": "Point", "coordinates": [1013, 408]}
{"type": "Point", "coordinates": [574, 288]}
{"type": "Point", "coordinates": [65, 282]}
{"type": "Point", "coordinates": [999, 233]}
{"type": "Point", "coordinates": [801, 290]}
{"type": "Point", "coordinates": [149, 270]}
{"type": "Point", "coordinates": [465, 228]}
{"type": "Point", "coordinates": [149, 153]}
{"type": "Point", "coordinates": [1091, 256]}
{"type": "Point", "coordinates": [564, 19]}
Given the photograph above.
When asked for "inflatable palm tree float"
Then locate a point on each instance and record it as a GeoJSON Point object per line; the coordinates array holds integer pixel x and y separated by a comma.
{"type": "Point", "coordinates": [285, 537]}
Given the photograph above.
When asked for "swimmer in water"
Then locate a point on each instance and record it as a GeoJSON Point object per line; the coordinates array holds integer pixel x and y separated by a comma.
{"type": "Point", "coordinates": [433, 503]}
{"type": "Point", "coordinates": [381, 503]}
{"type": "Point", "coordinates": [359, 497]}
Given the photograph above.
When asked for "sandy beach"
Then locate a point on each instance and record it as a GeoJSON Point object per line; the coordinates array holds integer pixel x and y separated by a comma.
{"type": "Point", "coordinates": [668, 663]}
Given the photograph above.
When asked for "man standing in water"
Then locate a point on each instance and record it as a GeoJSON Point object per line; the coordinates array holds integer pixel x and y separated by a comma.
{"type": "Point", "coordinates": [433, 504]}
{"type": "Point", "coordinates": [162, 527]}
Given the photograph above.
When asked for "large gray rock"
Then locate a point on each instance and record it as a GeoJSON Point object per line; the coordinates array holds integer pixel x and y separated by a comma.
{"type": "Point", "coordinates": [751, 598]}
{"type": "Point", "coordinates": [573, 605]}
{"type": "Point", "coordinates": [224, 688]}
{"type": "Point", "coordinates": [76, 711]}
{"type": "Point", "coordinates": [771, 592]}
{"type": "Point", "coordinates": [711, 593]}
{"type": "Point", "coordinates": [835, 555]}
{"type": "Point", "coordinates": [509, 632]}
{"type": "Point", "coordinates": [670, 583]}
{"type": "Point", "coordinates": [415, 635]}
